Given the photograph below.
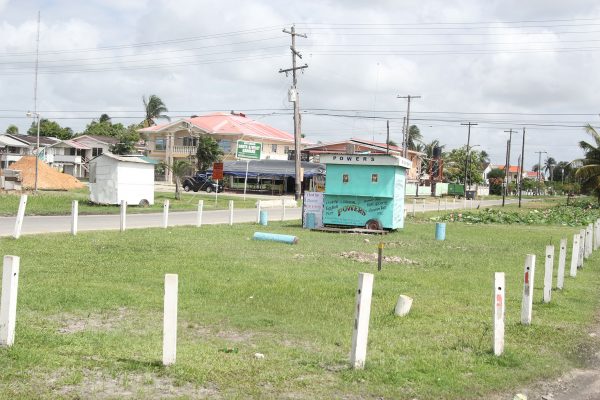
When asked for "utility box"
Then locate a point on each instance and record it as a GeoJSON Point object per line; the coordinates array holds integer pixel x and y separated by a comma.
{"type": "Point", "coordinates": [115, 178]}
{"type": "Point", "coordinates": [364, 190]}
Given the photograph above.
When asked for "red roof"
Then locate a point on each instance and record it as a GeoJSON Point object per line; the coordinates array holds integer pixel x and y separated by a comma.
{"type": "Point", "coordinates": [512, 168]}
{"type": "Point", "coordinates": [230, 124]}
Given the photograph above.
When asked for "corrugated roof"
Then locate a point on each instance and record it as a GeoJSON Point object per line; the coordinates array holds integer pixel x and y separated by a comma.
{"type": "Point", "coordinates": [74, 144]}
{"type": "Point", "coordinates": [32, 139]}
{"type": "Point", "coordinates": [125, 158]}
{"type": "Point", "coordinates": [6, 140]}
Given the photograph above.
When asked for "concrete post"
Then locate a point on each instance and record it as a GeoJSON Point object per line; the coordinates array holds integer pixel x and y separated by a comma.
{"type": "Point", "coordinates": [170, 319]}
{"type": "Point", "coordinates": [562, 258]}
{"type": "Point", "coordinates": [258, 209]}
{"type": "Point", "coordinates": [74, 216]}
{"type": "Point", "coordinates": [528, 284]}
{"type": "Point", "coordinates": [123, 225]}
{"type": "Point", "coordinates": [199, 215]}
{"type": "Point", "coordinates": [165, 221]}
{"type": "Point", "coordinates": [8, 300]}
{"type": "Point", "coordinates": [360, 334]}
{"type": "Point", "coordinates": [581, 247]}
{"type": "Point", "coordinates": [230, 212]}
{"type": "Point", "coordinates": [548, 271]}
{"type": "Point", "coordinates": [575, 255]}
{"type": "Point", "coordinates": [498, 313]}
{"type": "Point", "coordinates": [20, 216]}
{"type": "Point", "coordinates": [282, 209]}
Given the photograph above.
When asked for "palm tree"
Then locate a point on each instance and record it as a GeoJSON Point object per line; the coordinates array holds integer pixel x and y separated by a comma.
{"type": "Point", "coordinates": [414, 135]}
{"type": "Point", "coordinates": [207, 152]}
{"type": "Point", "coordinates": [549, 165]}
{"type": "Point", "coordinates": [154, 108]}
{"type": "Point", "coordinates": [180, 168]}
{"type": "Point", "coordinates": [590, 169]}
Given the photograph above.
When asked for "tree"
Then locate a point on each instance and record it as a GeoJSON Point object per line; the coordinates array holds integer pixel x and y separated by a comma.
{"type": "Point", "coordinates": [549, 165]}
{"type": "Point", "coordinates": [50, 129]}
{"type": "Point", "coordinates": [127, 140]}
{"type": "Point", "coordinates": [589, 171]}
{"type": "Point", "coordinates": [105, 127]}
{"type": "Point", "coordinates": [454, 163]}
{"type": "Point", "coordinates": [207, 152]}
{"type": "Point", "coordinates": [179, 168]}
{"type": "Point", "coordinates": [496, 178]}
{"type": "Point", "coordinates": [154, 109]}
{"type": "Point", "coordinates": [104, 118]}
{"type": "Point", "coordinates": [13, 130]}
{"type": "Point", "coordinates": [414, 135]}
{"type": "Point", "coordinates": [562, 172]}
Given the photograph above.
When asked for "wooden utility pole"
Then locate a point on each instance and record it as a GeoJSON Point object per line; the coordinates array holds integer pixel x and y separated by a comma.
{"type": "Point", "coordinates": [405, 146]}
{"type": "Point", "coordinates": [295, 98]}
{"type": "Point", "coordinates": [507, 170]}
{"type": "Point", "coordinates": [469, 124]}
{"type": "Point", "coordinates": [522, 168]}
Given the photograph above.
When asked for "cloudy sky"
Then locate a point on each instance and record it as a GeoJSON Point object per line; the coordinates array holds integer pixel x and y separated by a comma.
{"type": "Point", "coordinates": [501, 64]}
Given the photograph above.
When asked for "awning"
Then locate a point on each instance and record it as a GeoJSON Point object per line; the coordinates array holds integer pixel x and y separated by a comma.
{"type": "Point", "coordinates": [266, 169]}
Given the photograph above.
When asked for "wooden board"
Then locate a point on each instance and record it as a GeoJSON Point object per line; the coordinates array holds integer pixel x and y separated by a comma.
{"type": "Point", "coordinates": [351, 230]}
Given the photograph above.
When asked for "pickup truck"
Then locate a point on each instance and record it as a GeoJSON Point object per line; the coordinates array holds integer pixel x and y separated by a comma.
{"type": "Point", "coordinates": [200, 182]}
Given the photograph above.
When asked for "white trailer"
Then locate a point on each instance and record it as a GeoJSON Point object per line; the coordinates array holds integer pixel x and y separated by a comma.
{"type": "Point", "coordinates": [116, 178]}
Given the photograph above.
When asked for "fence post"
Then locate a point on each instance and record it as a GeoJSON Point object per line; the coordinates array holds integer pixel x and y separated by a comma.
{"type": "Point", "coordinates": [8, 300]}
{"type": "Point", "coordinates": [20, 216]}
{"type": "Point", "coordinates": [230, 212]}
{"type": "Point", "coordinates": [528, 284]}
{"type": "Point", "coordinates": [282, 209]}
{"type": "Point", "coordinates": [562, 258]}
{"type": "Point", "coordinates": [548, 271]}
{"type": "Point", "coordinates": [74, 216]}
{"type": "Point", "coordinates": [170, 319]}
{"type": "Point", "coordinates": [575, 255]}
{"type": "Point", "coordinates": [581, 247]}
{"type": "Point", "coordinates": [360, 334]}
{"type": "Point", "coordinates": [165, 221]}
{"type": "Point", "coordinates": [123, 225]}
{"type": "Point", "coordinates": [498, 313]}
{"type": "Point", "coordinates": [258, 212]}
{"type": "Point", "coordinates": [199, 215]}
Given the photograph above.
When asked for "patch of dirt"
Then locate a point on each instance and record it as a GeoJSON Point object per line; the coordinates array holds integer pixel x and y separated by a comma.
{"type": "Point", "coordinates": [71, 323]}
{"type": "Point", "coordinates": [229, 335]}
{"type": "Point", "coordinates": [372, 257]}
{"type": "Point", "coordinates": [96, 385]}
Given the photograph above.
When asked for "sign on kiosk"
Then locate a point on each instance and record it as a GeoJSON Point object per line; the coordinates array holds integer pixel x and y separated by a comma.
{"type": "Point", "coordinates": [217, 172]}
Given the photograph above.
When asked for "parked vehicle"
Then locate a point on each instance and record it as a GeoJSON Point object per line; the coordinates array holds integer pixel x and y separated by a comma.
{"type": "Point", "coordinates": [201, 182]}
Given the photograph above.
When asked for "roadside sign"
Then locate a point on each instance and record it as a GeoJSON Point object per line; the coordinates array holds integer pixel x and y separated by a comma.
{"type": "Point", "coordinates": [248, 150]}
{"type": "Point", "coordinates": [217, 172]}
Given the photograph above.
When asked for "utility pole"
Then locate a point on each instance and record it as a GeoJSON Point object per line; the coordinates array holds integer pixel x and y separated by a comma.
{"type": "Point", "coordinates": [35, 110]}
{"type": "Point", "coordinates": [540, 169]}
{"type": "Point", "coordinates": [522, 167]}
{"type": "Point", "coordinates": [469, 124]}
{"type": "Point", "coordinates": [507, 170]}
{"type": "Point", "coordinates": [405, 147]}
{"type": "Point", "coordinates": [387, 142]}
{"type": "Point", "coordinates": [294, 97]}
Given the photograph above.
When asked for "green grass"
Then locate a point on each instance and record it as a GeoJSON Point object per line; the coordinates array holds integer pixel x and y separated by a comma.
{"type": "Point", "coordinates": [59, 203]}
{"type": "Point", "coordinates": [294, 304]}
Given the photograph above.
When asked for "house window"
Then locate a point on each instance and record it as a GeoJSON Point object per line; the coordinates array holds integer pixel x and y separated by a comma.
{"type": "Point", "coordinates": [96, 151]}
{"type": "Point", "coordinates": [190, 141]}
{"type": "Point", "coordinates": [273, 148]}
{"type": "Point", "coordinates": [345, 178]}
{"type": "Point", "coordinates": [72, 151]}
{"type": "Point", "coordinates": [225, 145]}
{"type": "Point", "coordinates": [286, 149]}
{"type": "Point", "coordinates": [159, 144]}
{"type": "Point", "coordinates": [374, 178]}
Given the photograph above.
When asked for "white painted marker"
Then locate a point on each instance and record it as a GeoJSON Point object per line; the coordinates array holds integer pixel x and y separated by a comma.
{"type": "Point", "coordinates": [575, 255]}
{"type": "Point", "coordinates": [199, 214]}
{"type": "Point", "coordinates": [74, 216]}
{"type": "Point", "coordinates": [230, 212]}
{"type": "Point", "coordinates": [258, 209]}
{"type": "Point", "coordinates": [20, 216]}
{"type": "Point", "coordinates": [360, 334]}
{"type": "Point", "coordinates": [562, 258]}
{"type": "Point", "coordinates": [170, 319]}
{"type": "Point", "coordinates": [8, 300]}
{"type": "Point", "coordinates": [282, 209]}
{"type": "Point", "coordinates": [123, 225]}
{"type": "Point", "coordinates": [528, 284]}
{"type": "Point", "coordinates": [548, 272]}
{"type": "Point", "coordinates": [165, 221]}
{"type": "Point", "coordinates": [498, 313]}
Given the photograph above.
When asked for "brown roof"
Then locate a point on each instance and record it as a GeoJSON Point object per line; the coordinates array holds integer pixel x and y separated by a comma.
{"type": "Point", "coordinates": [32, 139]}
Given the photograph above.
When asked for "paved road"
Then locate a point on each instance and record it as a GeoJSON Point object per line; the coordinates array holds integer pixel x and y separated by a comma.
{"type": "Point", "coordinates": [49, 224]}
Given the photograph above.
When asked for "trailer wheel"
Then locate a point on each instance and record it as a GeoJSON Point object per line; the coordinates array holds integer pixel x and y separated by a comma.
{"type": "Point", "coordinates": [373, 224]}
{"type": "Point", "coordinates": [144, 203]}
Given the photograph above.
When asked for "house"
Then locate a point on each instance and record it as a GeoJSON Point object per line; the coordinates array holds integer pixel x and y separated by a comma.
{"type": "Point", "coordinates": [361, 146]}
{"type": "Point", "coordinates": [178, 140]}
{"type": "Point", "coordinates": [70, 157]}
{"type": "Point", "coordinates": [12, 149]}
{"type": "Point", "coordinates": [513, 171]}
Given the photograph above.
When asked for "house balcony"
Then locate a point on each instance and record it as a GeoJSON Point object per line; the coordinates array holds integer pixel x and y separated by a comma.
{"type": "Point", "coordinates": [178, 151]}
{"type": "Point", "coordinates": [62, 158]}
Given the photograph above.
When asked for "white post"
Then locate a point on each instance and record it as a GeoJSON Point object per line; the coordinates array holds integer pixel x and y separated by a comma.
{"type": "Point", "coordinates": [581, 247]}
{"type": "Point", "coordinates": [258, 209]}
{"type": "Point", "coordinates": [123, 215]}
{"type": "Point", "coordinates": [414, 206]}
{"type": "Point", "coordinates": [360, 334]}
{"type": "Point", "coordinates": [199, 215]}
{"type": "Point", "coordinates": [498, 313]}
{"type": "Point", "coordinates": [562, 258]}
{"type": "Point", "coordinates": [8, 300]}
{"type": "Point", "coordinates": [439, 204]}
{"type": "Point", "coordinates": [230, 212]}
{"type": "Point", "coordinates": [596, 234]}
{"type": "Point", "coordinates": [74, 215]}
{"type": "Point", "coordinates": [465, 203]}
{"type": "Point", "coordinates": [548, 271]}
{"type": "Point", "coordinates": [165, 221]}
{"type": "Point", "coordinates": [528, 280]}
{"type": "Point", "coordinates": [170, 319]}
{"type": "Point", "coordinates": [575, 255]}
{"type": "Point", "coordinates": [589, 234]}
{"type": "Point", "coordinates": [20, 216]}
{"type": "Point", "coordinates": [282, 209]}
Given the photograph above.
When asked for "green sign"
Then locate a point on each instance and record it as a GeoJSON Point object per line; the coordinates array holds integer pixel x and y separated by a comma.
{"type": "Point", "coordinates": [248, 150]}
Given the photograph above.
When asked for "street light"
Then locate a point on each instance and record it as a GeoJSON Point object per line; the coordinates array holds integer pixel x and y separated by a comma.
{"type": "Point", "coordinates": [36, 115]}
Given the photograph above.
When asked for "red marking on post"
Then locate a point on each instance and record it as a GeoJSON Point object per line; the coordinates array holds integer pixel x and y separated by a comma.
{"type": "Point", "coordinates": [498, 300]}
{"type": "Point", "coordinates": [527, 278]}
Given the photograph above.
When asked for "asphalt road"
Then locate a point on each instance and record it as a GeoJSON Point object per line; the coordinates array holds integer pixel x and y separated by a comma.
{"type": "Point", "coordinates": [50, 224]}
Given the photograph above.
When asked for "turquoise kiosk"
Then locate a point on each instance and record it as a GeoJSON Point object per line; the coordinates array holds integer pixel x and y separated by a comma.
{"type": "Point", "coordinates": [364, 190]}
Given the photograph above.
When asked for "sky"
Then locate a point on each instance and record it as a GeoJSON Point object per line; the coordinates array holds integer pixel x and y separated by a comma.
{"type": "Point", "coordinates": [500, 64]}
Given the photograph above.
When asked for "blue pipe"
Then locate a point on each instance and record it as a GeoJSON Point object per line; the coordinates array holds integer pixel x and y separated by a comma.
{"type": "Point", "coordinates": [289, 239]}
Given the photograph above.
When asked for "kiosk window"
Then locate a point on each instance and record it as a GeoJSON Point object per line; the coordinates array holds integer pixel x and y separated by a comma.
{"type": "Point", "coordinates": [374, 178]}
{"type": "Point", "coordinates": [345, 178]}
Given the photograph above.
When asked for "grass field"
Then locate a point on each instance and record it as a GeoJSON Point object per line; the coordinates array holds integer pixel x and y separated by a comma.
{"type": "Point", "coordinates": [59, 203]}
{"type": "Point", "coordinates": [90, 314]}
